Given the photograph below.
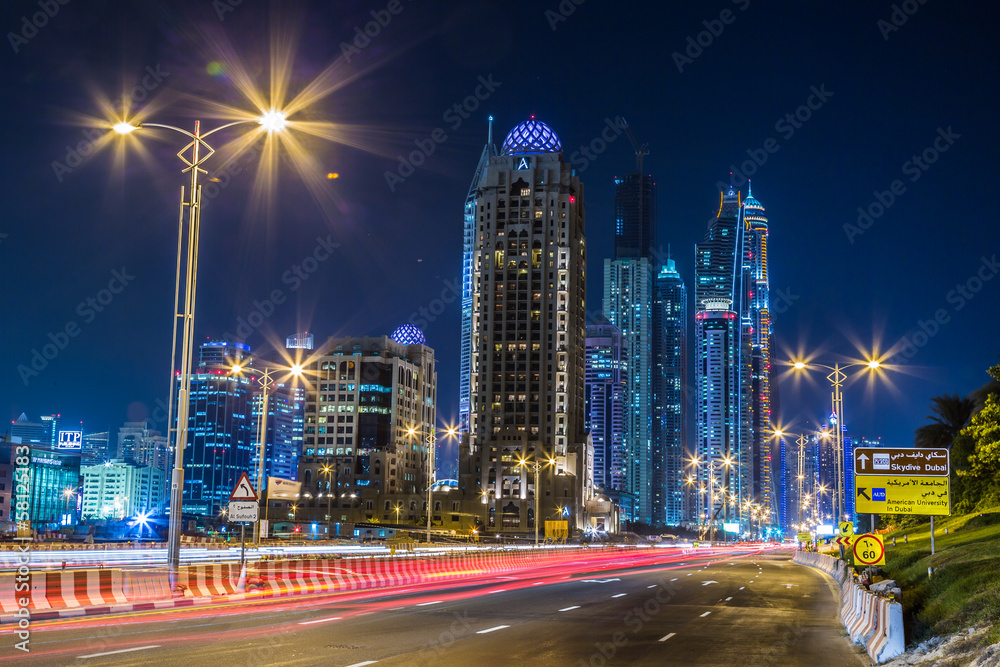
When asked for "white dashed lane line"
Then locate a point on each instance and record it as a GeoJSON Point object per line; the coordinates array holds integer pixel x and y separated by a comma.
{"type": "Point", "coordinates": [362, 664]}
{"type": "Point", "coordinates": [705, 614]}
{"type": "Point", "coordinates": [424, 604]}
{"type": "Point", "coordinates": [320, 620]}
{"type": "Point", "coordinates": [570, 608]}
{"type": "Point", "coordinates": [620, 595]}
{"type": "Point", "coordinates": [728, 599]}
{"type": "Point", "coordinates": [665, 638]}
{"type": "Point", "coordinates": [488, 630]}
{"type": "Point", "coordinates": [124, 650]}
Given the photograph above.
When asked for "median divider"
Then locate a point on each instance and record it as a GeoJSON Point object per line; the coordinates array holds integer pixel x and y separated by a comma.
{"type": "Point", "coordinates": [874, 621]}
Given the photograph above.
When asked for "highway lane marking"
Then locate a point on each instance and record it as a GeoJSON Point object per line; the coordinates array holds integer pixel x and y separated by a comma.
{"type": "Point", "coordinates": [742, 587]}
{"type": "Point", "coordinates": [424, 604]}
{"type": "Point", "coordinates": [705, 614]}
{"type": "Point", "coordinates": [674, 579]}
{"type": "Point", "coordinates": [751, 581]}
{"type": "Point", "coordinates": [499, 590]}
{"type": "Point", "coordinates": [728, 599]}
{"type": "Point", "coordinates": [538, 583]}
{"type": "Point", "coordinates": [499, 627]}
{"type": "Point", "coordinates": [620, 595]}
{"type": "Point", "coordinates": [321, 620]}
{"type": "Point", "coordinates": [655, 585]}
{"type": "Point", "coordinates": [663, 639]}
{"type": "Point", "coordinates": [124, 650]}
{"type": "Point", "coordinates": [570, 608]}
{"type": "Point", "coordinates": [362, 664]}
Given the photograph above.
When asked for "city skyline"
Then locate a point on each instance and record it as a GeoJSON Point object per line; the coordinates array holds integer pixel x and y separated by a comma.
{"type": "Point", "coordinates": [794, 177]}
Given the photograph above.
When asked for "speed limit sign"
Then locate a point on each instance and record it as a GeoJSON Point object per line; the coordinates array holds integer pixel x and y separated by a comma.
{"type": "Point", "coordinates": [869, 550]}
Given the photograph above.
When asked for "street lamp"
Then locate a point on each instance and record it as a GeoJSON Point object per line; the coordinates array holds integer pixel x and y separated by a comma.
{"type": "Point", "coordinates": [431, 438]}
{"type": "Point", "coordinates": [329, 496]}
{"type": "Point", "coordinates": [271, 121]}
{"type": "Point", "coordinates": [836, 378]}
{"type": "Point", "coordinates": [265, 381]}
{"type": "Point", "coordinates": [536, 466]}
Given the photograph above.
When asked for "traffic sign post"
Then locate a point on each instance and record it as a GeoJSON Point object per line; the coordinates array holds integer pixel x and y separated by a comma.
{"type": "Point", "coordinates": [243, 507]}
{"type": "Point", "coordinates": [902, 481]}
{"type": "Point", "coordinates": [869, 550]}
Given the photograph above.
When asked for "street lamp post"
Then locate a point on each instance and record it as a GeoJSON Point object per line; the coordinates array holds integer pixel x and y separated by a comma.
{"type": "Point", "coordinates": [329, 497]}
{"type": "Point", "coordinates": [430, 439]}
{"type": "Point", "coordinates": [836, 378]}
{"type": "Point", "coordinates": [184, 308]}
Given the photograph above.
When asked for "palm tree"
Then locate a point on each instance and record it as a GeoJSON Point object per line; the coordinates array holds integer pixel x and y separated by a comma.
{"type": "Point", "coordinates": [949, 415]}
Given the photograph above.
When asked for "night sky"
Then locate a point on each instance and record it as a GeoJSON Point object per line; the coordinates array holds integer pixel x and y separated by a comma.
{"type": "Point", "coordinates": [883, 91]}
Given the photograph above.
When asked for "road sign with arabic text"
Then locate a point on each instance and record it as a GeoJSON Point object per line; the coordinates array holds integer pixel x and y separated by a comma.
{"type": "Point", "coordinates": [908, 461]}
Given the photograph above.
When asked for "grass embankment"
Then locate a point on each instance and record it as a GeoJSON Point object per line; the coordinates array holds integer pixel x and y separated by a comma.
{"type": "Point", "coordinates": [964, 590]}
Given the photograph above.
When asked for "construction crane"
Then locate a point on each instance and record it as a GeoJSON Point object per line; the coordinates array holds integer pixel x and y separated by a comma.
{"type": "Point", "coordinates": [641, 150]}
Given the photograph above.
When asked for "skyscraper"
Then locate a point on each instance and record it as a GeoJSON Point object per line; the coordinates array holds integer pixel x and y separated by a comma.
{"type": "Point", "coordinates": [219, 440]}
{"type": "Point", "coordinates": [368, 393]}
{"type": "Point", "coordinates": [721, 420]}
{"type": "Point", "coordinates": [628, 304]}
{"type": "Point", "coordinates": [756, 322]}
{"type": "Point", "coordinates": [43, 433]}
{"type": "Point", "coordinates": [283, 440]}
{"type": "Point", "coordinates": [527, 337]}
{"type": "Point", "coordinates": [669, 392]}
{"type": "Point", "coordinates": [468, 252]}
{"type": "Point", "coordinates": [605, 398]}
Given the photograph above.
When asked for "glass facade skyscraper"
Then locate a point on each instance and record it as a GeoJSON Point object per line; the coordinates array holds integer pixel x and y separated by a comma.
{"type": "Point", "coordinates": [669, 392]}
{"type": "Point", "coordinates": [605, 394]}
{"type": "Point", "coordinates": [220, 443]}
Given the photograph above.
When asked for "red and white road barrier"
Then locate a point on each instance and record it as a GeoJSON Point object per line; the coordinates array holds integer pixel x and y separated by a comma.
{"type": "Point", "coordinates": [873, 621]}
{"type": "Point", "coordinates": [63, 589]}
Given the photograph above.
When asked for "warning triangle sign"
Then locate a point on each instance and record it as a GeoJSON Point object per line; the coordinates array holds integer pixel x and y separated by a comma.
{"type": "Point", "coordinates": [243, 489]}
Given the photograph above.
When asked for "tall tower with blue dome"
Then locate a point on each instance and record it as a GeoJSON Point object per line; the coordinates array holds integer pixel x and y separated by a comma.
{"type": "Point", "coordinates": [526, 340]}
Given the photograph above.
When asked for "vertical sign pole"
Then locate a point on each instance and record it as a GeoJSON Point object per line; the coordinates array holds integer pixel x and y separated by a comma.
{"type": "Point", "coordinates": [932, 534]}
{"type": "Point", "coordinates": [243, 545]}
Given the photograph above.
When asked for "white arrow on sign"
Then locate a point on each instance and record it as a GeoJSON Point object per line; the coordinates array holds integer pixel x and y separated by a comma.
{"type": "Point", "coordinates": [863, 458]}
{"type": "Point", "coordinates": [706, 583]}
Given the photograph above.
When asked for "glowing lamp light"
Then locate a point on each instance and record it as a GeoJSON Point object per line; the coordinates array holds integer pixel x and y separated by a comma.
{"type": "Point", "coordinates": [237, 368]}
{"type": "Point", "coordinates": [296, 369]}
{"type": "Point", "coordinates": [273, 121]}
{"type": "Point", "coordinates": [124, 128]}
{"type": "Point", "coordinates": [874, 364]}
{"type": "Point", "coordinates": [799, 365]}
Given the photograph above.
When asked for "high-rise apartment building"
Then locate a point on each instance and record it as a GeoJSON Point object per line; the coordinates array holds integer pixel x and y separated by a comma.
{"type": "Point", "coordinates": [368, 415]}
{"type": "Point", "coordinates": [219, 430]}
{"type": "Point", "coordinates": [605, 403]}
{"type": "Point", "coordinates": [122, 489]}
{"type": "Point", "coordinates": [628, 304]}
{"type": "Point", "coordinates": [142, 445]}
{"type": "Point", "coordinates": [468, 253]}
{"type": "Point", "coordinates": [669, 393]}
{"type": "Point", "coordinates": [756, 322]}
{"type": "Point", "coordinates": [527, 337]}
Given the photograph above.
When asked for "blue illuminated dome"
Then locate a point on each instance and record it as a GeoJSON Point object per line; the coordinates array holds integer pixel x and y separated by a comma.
{"type": "Point", "coordinates": [531, 136]}
{"type": "Point", "coordinates": [409, 334]}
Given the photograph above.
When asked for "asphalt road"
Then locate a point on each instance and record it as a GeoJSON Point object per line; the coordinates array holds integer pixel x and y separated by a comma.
{"type": "Point", "coordinates": [749, 610]}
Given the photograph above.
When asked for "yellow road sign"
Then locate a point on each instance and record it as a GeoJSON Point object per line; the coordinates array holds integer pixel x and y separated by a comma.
{"type": "Point", "coordinates": [885, 494]}
{"type": "Point", "coordinates": [846, 528]}
{"type": "Point", "coordinates": [804, 537]}
{"type": "Point", "coordinates": [869, 550]}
